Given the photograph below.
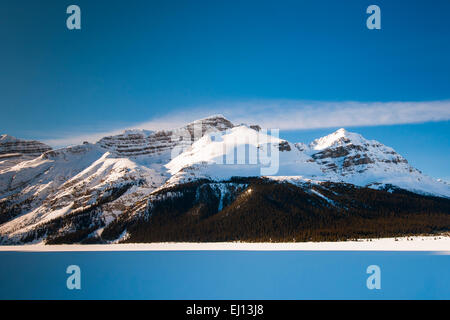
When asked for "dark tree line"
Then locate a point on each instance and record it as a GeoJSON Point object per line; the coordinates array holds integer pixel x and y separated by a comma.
{"type": "Point", "coordinates": [284, 212]}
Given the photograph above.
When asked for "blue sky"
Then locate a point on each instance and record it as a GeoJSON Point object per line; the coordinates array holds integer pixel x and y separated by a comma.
{"type": "Point", "coordinates": [161, 63]}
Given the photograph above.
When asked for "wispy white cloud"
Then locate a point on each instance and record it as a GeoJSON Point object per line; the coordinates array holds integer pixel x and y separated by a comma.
{"type": "Point", "coordinates": [290, 115]}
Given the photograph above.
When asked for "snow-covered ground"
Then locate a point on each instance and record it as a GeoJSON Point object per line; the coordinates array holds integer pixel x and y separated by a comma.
{"type": "Point", "coordinates": [439, 244]}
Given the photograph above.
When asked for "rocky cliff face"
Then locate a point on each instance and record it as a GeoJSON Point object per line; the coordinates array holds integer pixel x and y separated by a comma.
{"type": "Point", "coordinates": [14, 151]}
{"type": "Point", "coordinates": [134, 143]}
{"type": "Point", "coordinates": [345, 153]}
{"type": "Point", "coordinates": [11, 145]}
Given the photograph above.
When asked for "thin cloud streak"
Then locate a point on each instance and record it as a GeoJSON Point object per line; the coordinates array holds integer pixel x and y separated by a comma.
{"type": "Point", "coordinates": [316, 115]}
{"type": "Point", "coordinates": [290, 115]}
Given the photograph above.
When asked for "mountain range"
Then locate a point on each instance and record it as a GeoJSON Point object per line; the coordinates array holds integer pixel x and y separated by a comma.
{"type": "Point", "coordinates": [212, 180]}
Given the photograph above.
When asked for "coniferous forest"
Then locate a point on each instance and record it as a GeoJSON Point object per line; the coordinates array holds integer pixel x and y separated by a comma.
{"type": "Point", "coordinates": [259, 210]}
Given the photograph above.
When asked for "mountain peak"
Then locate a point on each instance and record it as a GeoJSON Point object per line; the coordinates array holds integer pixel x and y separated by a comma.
{"type": "Point", "coordinates": [338, 138]}
{"type": "Point", "coordinates": [7, 138]}
{"type": "Point", "coordinates": [142, 132]}
{"type": "Point", "coordinates": [213, 122]}
{"type": "Point", "coordinates": [214, 116]}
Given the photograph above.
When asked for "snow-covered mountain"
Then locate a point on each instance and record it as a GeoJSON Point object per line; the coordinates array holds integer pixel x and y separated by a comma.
{"type": "Point", "coordinates": [339, 157]}
{"type": "Point", "coordinates": [79, 191]}
{"type": "Point", "coordinates": [348, 157]}
{"type": "Point", "coordinates": [13, 150]}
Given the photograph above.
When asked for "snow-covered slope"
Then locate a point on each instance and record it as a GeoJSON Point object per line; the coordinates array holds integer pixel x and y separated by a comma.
{"type": "Point", "coordinates": [31, 185]}
{"type": "Point", "coordinates": [86, 187]}
{"type": "Point", "coordinates": [73, 186]}
{"type": "Point", "coordinates": [241, 151]}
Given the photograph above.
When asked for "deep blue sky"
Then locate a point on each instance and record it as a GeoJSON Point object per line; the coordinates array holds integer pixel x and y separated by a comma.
{"type": "Point", "coordinates": [135, 61]}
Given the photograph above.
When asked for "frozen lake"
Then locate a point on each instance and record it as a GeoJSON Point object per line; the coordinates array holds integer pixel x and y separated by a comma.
{"type": "Point", "coordinates": [224, 274]}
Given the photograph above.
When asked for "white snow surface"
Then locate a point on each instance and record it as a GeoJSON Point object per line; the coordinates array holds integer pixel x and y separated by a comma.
{"type": "Point", "coordinates": [241, 151]}
{"type": "Point", "coordinates": [436, 244]}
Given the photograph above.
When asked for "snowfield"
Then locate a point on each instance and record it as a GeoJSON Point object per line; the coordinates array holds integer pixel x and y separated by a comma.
{"type": "Point", "coordinates": [439, 244]}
